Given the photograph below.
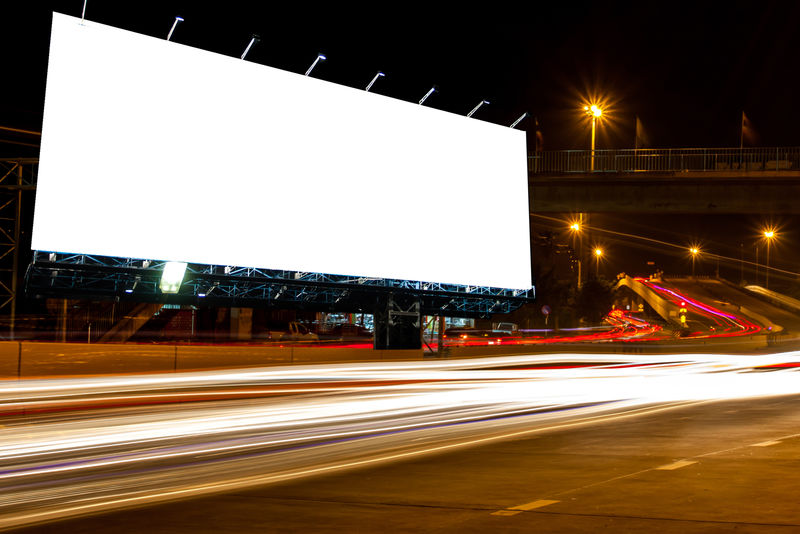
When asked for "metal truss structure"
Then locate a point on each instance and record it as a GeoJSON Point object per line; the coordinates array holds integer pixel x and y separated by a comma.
{"type": "Point", "coordinates": [100, 277]}
{"type": "Point", "coordinates": [16, 176]}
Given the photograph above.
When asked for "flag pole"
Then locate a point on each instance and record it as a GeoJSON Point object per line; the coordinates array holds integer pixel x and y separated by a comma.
{"type": "Point", "coordinates": [741, 140]}
{"type": "Point", "coordinates": [741, 133]}
{"type": "Point", "coordinates": [636, 142]}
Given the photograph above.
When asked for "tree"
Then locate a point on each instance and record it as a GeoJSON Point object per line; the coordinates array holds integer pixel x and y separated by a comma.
{"type": "Point", "coordinates": [554, 292]}
{"type": "Point", "coordinates": [594, 300]}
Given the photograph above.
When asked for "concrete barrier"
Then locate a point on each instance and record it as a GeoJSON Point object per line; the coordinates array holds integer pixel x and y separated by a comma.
{"type": "Point", "coordinates": [59, 359]}
{"type": "Point", "coordinates": [332, 354]}
{"type": "Point", "coordinates": [412, 354]}
{"type": "Point", "coordinates": [192, 357]}
{"type": "Point", "coordinates": [514, 350]}
{"type": "Point", "coordinates": [28, 359]}
{"type": "Point", "coordinates": [9, 359]}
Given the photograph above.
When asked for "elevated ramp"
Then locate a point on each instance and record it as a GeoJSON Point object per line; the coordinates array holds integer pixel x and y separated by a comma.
{"type": "Point", "coordinates": [734, 299]}
{"type": "Point", "coordinates": [665, 309]}
{"type": "Point", "coordinates": [782, 301]}
{"type": "Point", "coordinates": [719, 294]}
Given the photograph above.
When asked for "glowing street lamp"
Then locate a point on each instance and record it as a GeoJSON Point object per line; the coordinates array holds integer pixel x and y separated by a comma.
{"type": "Point", "coordinates": [177, 20]}
{"type": "Point", "coordinates": [595, 113]}
{"type": "Point", "coordinates": [320, 57]}
{"type": "Point", "coordinates": [598, 253]}
{"type": "Point", "coordinates": [577, 236]}
{"type": "Point", "coordinates": [769, 235]}
{"type": "Point", "coordinates": [694, 251]}
{"type": "Point", "coordinates": [379, 75]}
{"type": "Point", "coordinates": [253, 40]}
{"type": "Point", "coordinates": [471, 113]}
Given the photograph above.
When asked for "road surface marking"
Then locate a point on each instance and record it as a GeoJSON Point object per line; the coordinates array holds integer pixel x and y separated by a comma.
{"type": "Point", "coordinates": [532, 505]}
{"type": "Point", "coordinates": [676, 465]}
{"type": "Point", "coordinates": [514, 510]}
{"type": "Point", "coordinates": [765, 444]}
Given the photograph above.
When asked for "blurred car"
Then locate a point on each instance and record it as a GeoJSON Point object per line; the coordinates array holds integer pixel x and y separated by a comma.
{"type": "Point", "coordinates": [474, 336]}
{"type": "Point", "coordinates": [349, 332]}
{"type": "Point", "coordinates": [291, 331]}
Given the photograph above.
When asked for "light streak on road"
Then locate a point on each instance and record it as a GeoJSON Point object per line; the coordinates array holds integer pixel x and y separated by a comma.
{"type": "Point", "coordinates": [622, 326]}
{"type": "Point", "coordinates": [76, 446]}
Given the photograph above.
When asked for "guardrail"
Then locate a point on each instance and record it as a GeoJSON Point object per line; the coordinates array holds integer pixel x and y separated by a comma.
{"type": "Point", "coordinates": [665, 160]}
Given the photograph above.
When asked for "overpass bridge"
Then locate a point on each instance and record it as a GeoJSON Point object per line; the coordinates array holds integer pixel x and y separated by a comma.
{"type": "Point", "coordinates": [689, 180]}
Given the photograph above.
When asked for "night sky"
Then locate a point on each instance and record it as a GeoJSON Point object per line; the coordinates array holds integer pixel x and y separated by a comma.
{"type": "Point", "coordinates": [687, 69]}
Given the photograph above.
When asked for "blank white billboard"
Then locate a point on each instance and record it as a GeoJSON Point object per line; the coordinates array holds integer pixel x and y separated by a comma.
{"type": "Point", "coordinates": [156, 150]}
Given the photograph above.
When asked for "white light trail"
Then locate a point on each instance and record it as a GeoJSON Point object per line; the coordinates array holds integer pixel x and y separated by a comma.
{"type": "Point", "coordinates": [70, 456]}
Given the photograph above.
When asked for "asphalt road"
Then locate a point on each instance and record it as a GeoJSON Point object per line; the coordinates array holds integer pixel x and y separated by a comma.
{"type": "Point", "coordinates": [726, 466]}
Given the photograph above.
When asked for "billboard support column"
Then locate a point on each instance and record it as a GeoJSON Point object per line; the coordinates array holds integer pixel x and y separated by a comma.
{"type": "Point", "coordinates": [62, 322]}
{"type": "Point", "coordinates": [397, 322]}
{"type": "Point", "coordinates": [15, 267]}
{"type": "Point", "coordinates": [440, 335]}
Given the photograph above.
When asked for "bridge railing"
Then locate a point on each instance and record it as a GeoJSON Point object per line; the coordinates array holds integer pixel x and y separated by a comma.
{"type": "Point", "coordinates": [665, 160]}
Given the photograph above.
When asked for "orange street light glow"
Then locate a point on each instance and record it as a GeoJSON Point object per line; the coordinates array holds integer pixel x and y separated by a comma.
{"type": "Point", "coordinates": [593, 110]}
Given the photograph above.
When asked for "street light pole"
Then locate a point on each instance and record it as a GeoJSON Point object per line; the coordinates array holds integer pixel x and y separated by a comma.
{"type": "Point", "coordinates": [756, 247]}
{"type": "Point", "coordinates": [769, 234]}
{"type": "Point", "coordinates": [766, 271]}
{"type": "Point", "coordinates": [594, 128]}
{"type": "Point", "coordinates": [597, 253]}
{"type": "Point", "coordinates": [594, 112]}
{"type": "Point", "coordinates": [577, 238]}
{"type": "Point", "coordinates": [695, 251]}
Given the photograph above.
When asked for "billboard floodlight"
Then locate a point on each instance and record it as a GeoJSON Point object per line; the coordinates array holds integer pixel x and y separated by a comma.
{"type": "Point", "coordinates": [177, 20]}
{"type": "Point", "coordinates": [132, 287]}
{"type": "Point", "coordinates": [429, 93]}
{"type": "Point", "coordinates": [379, 75]}
{"type": "Point", "coordinates": [320, 57]}
{"type": "Point", "coordinates": [253, 40]}
{"type": "Point", "coordinates": [172, 276]}
{"type": "Point", "coordinates": [471, 113]}
{"type": "Point", "coordinates": [520, 119]}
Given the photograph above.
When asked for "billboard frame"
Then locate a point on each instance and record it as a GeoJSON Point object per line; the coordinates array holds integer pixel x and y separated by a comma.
{"type": "Point", "coordinates": [60, 275]}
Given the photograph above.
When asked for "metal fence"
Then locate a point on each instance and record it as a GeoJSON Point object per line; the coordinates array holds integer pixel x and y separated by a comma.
{"type": "Point", "coordinates": [665, 160]}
